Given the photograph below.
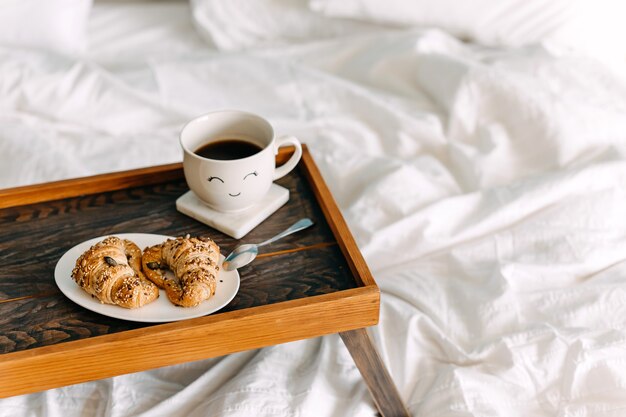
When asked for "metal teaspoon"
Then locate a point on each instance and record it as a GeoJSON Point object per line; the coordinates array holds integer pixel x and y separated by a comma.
{"type": "Point", "coordinates": [242, 255]}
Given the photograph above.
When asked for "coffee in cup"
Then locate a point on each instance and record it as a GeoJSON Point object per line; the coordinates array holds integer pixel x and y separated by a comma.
{"type": "Point", "coordinates": [229, 158]}
{"type": "Point", "coordinates": [228, 149]}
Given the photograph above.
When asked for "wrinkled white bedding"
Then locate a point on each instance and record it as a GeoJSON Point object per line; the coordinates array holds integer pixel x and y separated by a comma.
{"type": "Point", "coordinates": [485, 187]}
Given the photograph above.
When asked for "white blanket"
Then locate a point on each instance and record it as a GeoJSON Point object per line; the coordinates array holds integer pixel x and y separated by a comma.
{"type": "Point", "coordinates": [484, 187]}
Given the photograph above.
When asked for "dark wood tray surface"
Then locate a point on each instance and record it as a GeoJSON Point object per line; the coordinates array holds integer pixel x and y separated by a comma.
{"type": "Point", "coordinates": [34, 313]}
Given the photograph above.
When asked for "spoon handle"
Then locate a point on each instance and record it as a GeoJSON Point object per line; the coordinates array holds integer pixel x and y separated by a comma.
{"type": "Point", "coordinates": [296, 227]}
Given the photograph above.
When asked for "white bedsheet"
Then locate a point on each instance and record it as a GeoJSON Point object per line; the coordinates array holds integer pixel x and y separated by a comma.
{"type": "Point", "coordinates": [484, 187]}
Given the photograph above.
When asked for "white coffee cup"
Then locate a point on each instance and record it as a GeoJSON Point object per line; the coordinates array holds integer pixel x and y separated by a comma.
{"type": "Point", "coordinates": [230, 185]}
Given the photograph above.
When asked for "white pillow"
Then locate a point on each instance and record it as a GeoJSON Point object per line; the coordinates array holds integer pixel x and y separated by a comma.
{"type": "Point", "coordinates": [493, 22]}
{"type": "Point", "coordinates": [57, 25]}
{"type": "Point", "coordinates": [240, 24]}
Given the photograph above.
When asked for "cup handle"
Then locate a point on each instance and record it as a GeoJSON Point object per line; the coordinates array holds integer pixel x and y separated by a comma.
{"type": "Point", "coordinates": [285, 168]}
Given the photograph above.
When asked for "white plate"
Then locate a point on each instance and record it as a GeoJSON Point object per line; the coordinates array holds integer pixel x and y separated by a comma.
{"type": "Point", "coordinates": [158, 311]}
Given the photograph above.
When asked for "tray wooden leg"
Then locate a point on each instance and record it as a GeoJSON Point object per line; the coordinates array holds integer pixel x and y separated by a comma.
{"type": "Point", "coordinates": [374, 373]}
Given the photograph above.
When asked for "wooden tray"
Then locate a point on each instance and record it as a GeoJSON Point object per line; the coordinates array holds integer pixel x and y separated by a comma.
{"type": "Point", "coordinates": [310, 284]}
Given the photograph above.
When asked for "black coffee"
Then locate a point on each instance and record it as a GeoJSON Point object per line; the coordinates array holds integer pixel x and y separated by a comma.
{"type": "Point", "coordinates": [228, 149]}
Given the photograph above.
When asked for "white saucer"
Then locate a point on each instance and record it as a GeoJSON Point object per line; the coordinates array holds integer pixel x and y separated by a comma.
{"type": "Point", "coordinates": [237, 224]}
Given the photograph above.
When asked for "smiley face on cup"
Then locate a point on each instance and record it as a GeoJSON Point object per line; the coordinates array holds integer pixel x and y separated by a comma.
{"type": "Point", "coordinates": [229, 158]}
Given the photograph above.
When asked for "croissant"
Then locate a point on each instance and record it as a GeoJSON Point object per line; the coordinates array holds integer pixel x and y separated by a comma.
{"type": "Point", "coordinates": [195, 264]}
{"type": "Point", "coordinates": [111, 271]}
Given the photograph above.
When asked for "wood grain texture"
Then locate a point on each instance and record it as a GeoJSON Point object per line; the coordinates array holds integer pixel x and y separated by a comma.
{"type": "Point", "coordinates": [336, 221]}
{"type": "Point", "coordinates": [374, 372]}
{"type": "Point", "coordinates": [173, 343]}
{"type": "Point", "coordinates": [303, 286]}
{"type": "Point", "coordinates": [27, 276]}
{"type": "Point", "coordinates": [11, 197]}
